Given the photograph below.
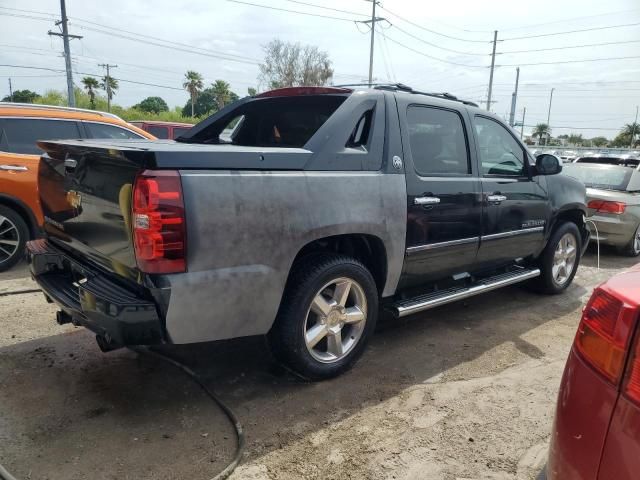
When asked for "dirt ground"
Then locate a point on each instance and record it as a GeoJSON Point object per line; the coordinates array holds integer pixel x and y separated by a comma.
{"type": "Point", "coordinates": [466, 391]}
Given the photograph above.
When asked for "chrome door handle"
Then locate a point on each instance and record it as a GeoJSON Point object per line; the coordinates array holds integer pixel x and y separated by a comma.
{"type": "Point", "coordinates": [13, 168]}
{"type": "Point", "coordinates": [426, 201]}
{"type": "Point", "coordinates": [496, 198]}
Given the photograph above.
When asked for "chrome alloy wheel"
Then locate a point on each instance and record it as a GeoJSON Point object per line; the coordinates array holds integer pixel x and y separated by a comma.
{"type": "Point", "coordinates": [636, 241]}
{"type": "Point", "coordinates": [335, 320]}
{"type": "Point", "coordinates": [9, 239]}
{"type": "Point", "coordinates": [564, 259]}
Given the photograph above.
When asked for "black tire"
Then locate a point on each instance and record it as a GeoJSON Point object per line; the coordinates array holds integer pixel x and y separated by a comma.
{"type": "Point", "coordinates": [546, 282]}
{"type": "Point", "coordinates": [631, 249]}
{"type": "Point", "coordinates": [308, 276]}
{"type": "Point", "coordinates": [18, 231]}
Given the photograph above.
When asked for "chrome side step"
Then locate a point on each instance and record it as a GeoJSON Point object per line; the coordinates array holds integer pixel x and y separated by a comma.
{"type": "Point", "coordinates": [403, 308]}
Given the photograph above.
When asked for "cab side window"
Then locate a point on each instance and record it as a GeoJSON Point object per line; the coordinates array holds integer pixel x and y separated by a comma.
{"type": "Point", "coordinates": [500, 153]}
{"type": "Point", "coordinates": [100, 130]}
{"type": "Point", "coordinates": [438, 142]}
{"type": "Point", "coordinates": [19, 135]}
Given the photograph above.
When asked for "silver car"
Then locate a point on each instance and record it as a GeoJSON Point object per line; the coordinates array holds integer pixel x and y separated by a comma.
{"type": "Point", "coordinates": [613, 200]}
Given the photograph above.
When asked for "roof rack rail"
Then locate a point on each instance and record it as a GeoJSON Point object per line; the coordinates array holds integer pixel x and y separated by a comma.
{"type": "Point", "coordinates": [406, 88]}
{"type": "Point", "coordinates": [55, 107]}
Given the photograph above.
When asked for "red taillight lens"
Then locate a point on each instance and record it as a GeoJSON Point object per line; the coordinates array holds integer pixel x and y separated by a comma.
{"type": "Point", "coordinates": [159, 231]}
{"type": "Point", "coordinates": [632, 378]}
{"type": "Point", "coordinates": [605, 206]}
{"type": "Point", "coordinates": [603, 334]}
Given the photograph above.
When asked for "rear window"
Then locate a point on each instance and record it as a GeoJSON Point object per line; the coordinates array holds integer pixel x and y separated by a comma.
{"type": "Point", "coordinates": [19, 135]}
{"type": "Point", "coordinates": [272, 122]}
{"type": "Point", "coordinates": [177, 131]}
{"type": "Point", "coordinates": [101, 130]}
{"type": "Point", "coordinates": [158, 131]}
{"type": "Point", "coordinates": [605, 177]}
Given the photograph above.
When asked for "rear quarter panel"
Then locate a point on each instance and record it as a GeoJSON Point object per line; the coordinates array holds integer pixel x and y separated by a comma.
{"type": "Point", "coordinates": [621, 456]}
{"type": "Point", "coordinates": [245, 228]}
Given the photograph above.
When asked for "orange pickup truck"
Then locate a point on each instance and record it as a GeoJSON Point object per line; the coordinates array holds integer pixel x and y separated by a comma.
{"type": "Point", "coordinates": [21, 125]}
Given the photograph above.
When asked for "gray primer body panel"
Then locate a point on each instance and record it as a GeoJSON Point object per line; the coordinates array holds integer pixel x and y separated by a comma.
{"type": "Point", "coordinates": [245, 228]}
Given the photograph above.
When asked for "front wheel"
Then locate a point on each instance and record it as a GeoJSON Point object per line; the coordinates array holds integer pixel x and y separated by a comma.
{"type": "Point", "coordinates": [14, 234]}
{"type": "Point", "coordinates": [560, 259]}
{"type": "Point", "coordinates": [328, 313]}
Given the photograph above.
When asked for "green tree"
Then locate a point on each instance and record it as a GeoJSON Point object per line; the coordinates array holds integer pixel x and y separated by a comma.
{"type": "Point", "coordinates": [206, 103]}
{"type": "Point", "coordinates": [152, 105]}
{"type": "Point", "coordinates": [541, 131]}
{"type": "Point", "coordinates": [91, 85]}
{"type": "Point", "coordinates": [623, 139]}
{"type": "Point", "coordinates": [599, 141]}
{"type": "Point", "coordinates": [575, 139]}
{"type": "Point", "coordinates": [194, 84]}
{"type": "Point", "coordinates": [221, 92]}
{"type": "Point", "coordinates": [109, 85]}
{"type": "Point", "coordinates": [252, 91]}
{"type": "Point", "coordinates": [22, 96]}
{"type": "Point", "coordinates": [291, 64]}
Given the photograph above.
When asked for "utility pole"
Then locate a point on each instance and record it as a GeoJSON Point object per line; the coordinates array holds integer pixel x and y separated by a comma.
{"type": "Point", "coordinates": [11, 91]}
{"type": "Point", "coordinates": [493, 64]}
{"type": "Point", "coordinates": [107, 83]}
{"type": "Point", "coordinates": [373, 21]}
{"type": "Point", "coordinates": [633, 130]}
{"type": "Point", "coordinates": [67, 51]}
{"type": "Point", "coordinates": [549, 117]}
{"type": "Point", "coordinates": [514, 98]}
{"type": "Point", "coordinates": [524, 112]}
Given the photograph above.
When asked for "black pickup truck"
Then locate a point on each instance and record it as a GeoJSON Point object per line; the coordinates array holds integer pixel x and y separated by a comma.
{"type": "Point", "coordinates": [298, 214]}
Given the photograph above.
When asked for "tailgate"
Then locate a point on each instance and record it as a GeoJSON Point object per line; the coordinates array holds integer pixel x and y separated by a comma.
{"type": "Point", "coordinates": [85, 192]}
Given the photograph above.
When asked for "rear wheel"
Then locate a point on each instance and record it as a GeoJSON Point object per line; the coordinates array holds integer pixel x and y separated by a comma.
{"type": "Point", "coordinates": [328, 313]}
{"type": "Point", "coordinates": [560, 259]}
{"type": "Point", "coordinates": [633, 247]}
{"type": "Point", "coordinates": [14, 234]}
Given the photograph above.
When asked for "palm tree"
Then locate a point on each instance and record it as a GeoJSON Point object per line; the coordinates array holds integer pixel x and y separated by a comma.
{"type": "Point", "coordinates": [91, 85]}
{"type": "Point", "coordinates": [193, 84]}
{"type": "Point", "coordinates": [110, 85]}
{"type": "Point", "coordinates": [631, 130]}
{"type": "Point", "coordinates": [221, 92]}
{"type": "Point", "coordinates": [541, 131]}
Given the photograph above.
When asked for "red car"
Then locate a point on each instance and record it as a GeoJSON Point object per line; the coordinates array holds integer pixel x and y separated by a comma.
{"type": "Point", "coordinates": [596, 432]}
{"type": "Point", "coordinates": [166, 130]}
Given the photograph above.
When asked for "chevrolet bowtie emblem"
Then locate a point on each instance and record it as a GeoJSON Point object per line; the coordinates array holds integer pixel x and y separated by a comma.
{"type": "Point", "coordinates": [74, 199]}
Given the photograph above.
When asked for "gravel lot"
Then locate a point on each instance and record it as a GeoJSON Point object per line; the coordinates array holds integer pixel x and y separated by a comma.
{"type": "Point", "coordinates": [466, 391]}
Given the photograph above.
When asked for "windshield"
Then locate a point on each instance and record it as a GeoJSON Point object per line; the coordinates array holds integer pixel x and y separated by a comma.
{"type": "Point", "coordinates": [600, 176]}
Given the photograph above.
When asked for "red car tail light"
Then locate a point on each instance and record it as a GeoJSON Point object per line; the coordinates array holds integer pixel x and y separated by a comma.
{"type": "Point", "coordinates": [603, 334]}
{"type": "Point", "coordinates": [631, 386]}
{"type": "Point", "coordinates": [605, 206]}
{"type": "Point", "coordinates": [159, 230]}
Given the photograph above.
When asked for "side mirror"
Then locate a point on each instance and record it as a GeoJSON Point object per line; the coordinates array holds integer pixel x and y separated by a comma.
{"type": "Point", "coordinates": [547, 165]}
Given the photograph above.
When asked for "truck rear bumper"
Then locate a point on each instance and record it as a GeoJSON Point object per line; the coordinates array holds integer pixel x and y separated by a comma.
{"type": "Point", "coordinates": [88, 297]}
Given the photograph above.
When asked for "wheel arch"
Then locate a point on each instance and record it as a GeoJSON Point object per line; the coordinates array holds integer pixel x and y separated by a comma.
{"type": "Point", "coordinates": [574, 214]}
{"type": "Point", "coordinates": [23, 210]}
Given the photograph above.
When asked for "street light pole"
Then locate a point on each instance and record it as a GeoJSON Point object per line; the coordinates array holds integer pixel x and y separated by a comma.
{"type": "Point", "coordinates": [549, 117]}
{"type": "Point", "coordinates": [633, 130]}
{"type": "Point", "coordinates": [524, 112]}
{"type": "Point", "coordinates": [514, 99]}
{"type": "Point", "coordinates": [493, 64]}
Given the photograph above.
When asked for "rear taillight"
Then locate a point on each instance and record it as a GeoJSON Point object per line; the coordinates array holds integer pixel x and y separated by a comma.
{"type": "Point", "coordinates": [159, 230]}
{"type": "Point", "coordinates": [605, 206]}
{"type": "Point", "coordinates": [604, 332]}
{"type": "Point", "coordinates": [631, 387]}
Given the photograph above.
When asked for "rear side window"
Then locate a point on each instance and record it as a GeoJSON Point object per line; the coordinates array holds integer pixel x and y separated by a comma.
{"type": "Point", "coordinates": [272, 122]}
{"type": "Point", "coordinates": [177, 131]}
{"type": "Point", "coordinates": [101, 130]}
{"type": "Point", "coordinates": [438, 142]}
{"type": "Point", "coordinates": [158, 131]}
{"type": "Point", "coordinates": [19, 135]}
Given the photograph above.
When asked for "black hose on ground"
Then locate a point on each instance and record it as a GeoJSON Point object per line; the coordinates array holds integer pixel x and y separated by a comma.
{"type": "Point", "coordinates": [226, 473]}
{"type": "Point", "coordinates": [20, 292]}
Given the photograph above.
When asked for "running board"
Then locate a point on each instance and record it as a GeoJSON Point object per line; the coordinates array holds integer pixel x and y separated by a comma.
{"type": "Point", "coordinates": [403, 308]}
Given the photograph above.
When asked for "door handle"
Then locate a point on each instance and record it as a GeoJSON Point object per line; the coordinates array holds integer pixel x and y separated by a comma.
{"type": "Point", "coordinates": [13, 168]}
{"type": "Point", "coordinates": [426, 201]}
{"type": "Point", "coordinates": [496, 198]}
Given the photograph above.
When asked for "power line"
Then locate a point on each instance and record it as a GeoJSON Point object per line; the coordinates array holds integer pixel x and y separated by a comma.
{"type": "Point", "coordinates": [524, 27]}
{"type": "Point", "coordinates": [427, 29]}
{"type": "Point", "coordinates": [438, 46]}
{"type": "Point", "coordinates": [607, 59]}
{"type": "Point", "coordinates": [569, 46]}
{"type": "Point", "coordinates": [327, 8]}
{"type": "Point", "coordinates": [573, 31]}
{"type": "Point", "coordinates": [292, 11]}
{"type": "Point", "coordinates": [434, 58]}
{"type": "Point", "coordinates": [17, 15]}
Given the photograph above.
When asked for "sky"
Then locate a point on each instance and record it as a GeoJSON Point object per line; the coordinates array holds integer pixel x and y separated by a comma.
{"type": "Point", "coordinates": [431, 46]}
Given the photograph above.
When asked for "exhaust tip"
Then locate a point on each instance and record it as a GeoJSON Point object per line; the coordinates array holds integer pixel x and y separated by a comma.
{"type": "Point", "coordinates": [106, 344]}
{"type": "Point", "coordinates": [63, 317]}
